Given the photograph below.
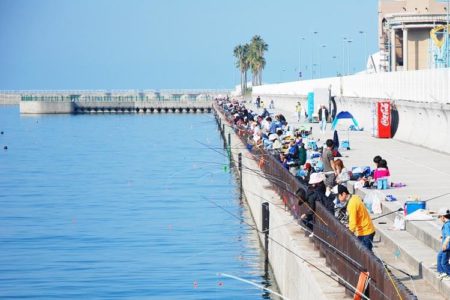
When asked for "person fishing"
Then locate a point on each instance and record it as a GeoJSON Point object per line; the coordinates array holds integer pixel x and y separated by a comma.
{"type": "Point", "coordinates": [359, 221]}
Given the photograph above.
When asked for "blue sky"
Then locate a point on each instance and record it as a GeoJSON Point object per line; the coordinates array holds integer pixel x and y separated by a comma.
{"type": "Point", "coordinates": [160, 44]}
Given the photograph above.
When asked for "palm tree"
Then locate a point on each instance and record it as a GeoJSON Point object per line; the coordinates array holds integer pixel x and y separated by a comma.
{"type": "Point", "coordinates": [256, 58]}
{"type": "Point", "coordinates": [241, 53]}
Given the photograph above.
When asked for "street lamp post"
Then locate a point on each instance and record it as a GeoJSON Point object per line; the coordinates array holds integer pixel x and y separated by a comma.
{"type": "Point", "coordinates": [312, 53]}
{"type": "Point", "coordinates": [365, 47]}
{"type": "Point", "coordinates": [344, 40]}
{"type": "Point", "coordinates": [348, 56]}
{"type": "Point", "coordinates": [335, 64]}
{"type": "Point", "coordinates": [300, 58]}
{"type": "Point", "coordinates": [320, 65]}
{"type": "Point", "coordinates": [282, 75]}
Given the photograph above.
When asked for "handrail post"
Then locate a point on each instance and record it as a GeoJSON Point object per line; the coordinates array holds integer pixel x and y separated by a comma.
{"type": "Point", "coordinates": [265, 229]}
{"type": "Point", "coordinates": [240, 174]}
{"type": "Point", "coordinates": [230, 156]}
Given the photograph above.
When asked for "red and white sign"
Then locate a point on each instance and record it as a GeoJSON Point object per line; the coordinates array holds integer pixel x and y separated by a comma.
{"type": "Point", "coordinates": [384, 119]}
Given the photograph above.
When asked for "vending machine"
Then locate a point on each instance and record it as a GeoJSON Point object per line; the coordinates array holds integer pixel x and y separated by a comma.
{"type": "Point", "coordinates": [384, 120]}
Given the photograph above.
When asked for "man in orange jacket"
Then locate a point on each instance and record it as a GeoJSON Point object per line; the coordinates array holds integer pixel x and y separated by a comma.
{"type": "Point", "coordinates": [359, 221]}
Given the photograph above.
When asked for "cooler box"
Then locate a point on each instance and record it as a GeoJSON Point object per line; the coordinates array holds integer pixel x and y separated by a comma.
{"type": "Point", "coordinates": [412, 206]}
{"type": "Point", "coordinates": [345, 145]}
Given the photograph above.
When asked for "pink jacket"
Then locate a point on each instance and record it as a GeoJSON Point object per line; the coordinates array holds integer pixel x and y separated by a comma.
{"type": "Point", "coordinates": [381, 173]}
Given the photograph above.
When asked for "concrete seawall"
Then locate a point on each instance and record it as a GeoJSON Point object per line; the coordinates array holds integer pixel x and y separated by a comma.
{"type": "Point", "coordinates": [421, 98]}
{"type": "Point", "coordinates": [79, 107]}
{"type": "Point", "coordinates": [295, 278]}
{"type": "Point", "coordinates": [419, 123]}
{"type": "Point", "coordinates": [41, 107]}
{"type": "Point", "coordinates": [422, 124]}
{"type": "Point", "coordinates": [9, 99]}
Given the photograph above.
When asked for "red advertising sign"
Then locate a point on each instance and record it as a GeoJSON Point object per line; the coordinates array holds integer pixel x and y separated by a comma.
{"type": "Point", "coordinates": [384, 119]}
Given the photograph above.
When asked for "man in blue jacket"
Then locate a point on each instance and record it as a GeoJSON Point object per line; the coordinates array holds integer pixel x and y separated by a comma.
{"type": "Point", "coordinates": [443, 266]}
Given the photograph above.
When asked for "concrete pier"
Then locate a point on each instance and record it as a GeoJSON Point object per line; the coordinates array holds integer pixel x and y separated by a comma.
{"type": "Point", "coordinates": [294, 276]}
{"type": "Point", "coordinates": [425, 173]}
{"type": "Point", "coordinates": [67, 107]}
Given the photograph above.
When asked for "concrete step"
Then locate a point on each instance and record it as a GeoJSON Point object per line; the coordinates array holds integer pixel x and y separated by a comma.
{"type": "Point", "coordinates": [428, 232]}
{"type": "Point", "coordinates": [402, 249]}
{"type": "Point", "coordinates": [416, 247]}
{"type": "Point", "coordinates": [417, 284]}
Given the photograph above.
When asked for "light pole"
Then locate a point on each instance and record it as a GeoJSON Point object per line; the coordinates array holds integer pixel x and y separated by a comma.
{"type": "Point", "coordinates": [365, 47]}
{"type": "Point", "coordinates": [320, 65]}
{"type": "Point", "coordinates": [335, 64]}
{"type": "Point", "coordinates": [300, 58]}
{"type": "Point", "coordinates": [282, 75]}
{"type": "Point", "coordinates": [312, 52]}
{"type": "Point", "coordinates": [348, 56]}
{"type": "Point", "coordinates": [344, 40]}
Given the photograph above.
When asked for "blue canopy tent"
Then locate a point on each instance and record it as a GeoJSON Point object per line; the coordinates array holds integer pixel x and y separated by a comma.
{"type": "Point", "coordinates": [345, 115]}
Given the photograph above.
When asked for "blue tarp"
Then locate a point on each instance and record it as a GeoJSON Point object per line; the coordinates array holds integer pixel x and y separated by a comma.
{"type": "Point", "coordinates": [344, 115]}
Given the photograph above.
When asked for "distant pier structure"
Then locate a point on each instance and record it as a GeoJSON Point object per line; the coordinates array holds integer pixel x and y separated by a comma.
{"type": "Point", "coordinates": [98, 102]}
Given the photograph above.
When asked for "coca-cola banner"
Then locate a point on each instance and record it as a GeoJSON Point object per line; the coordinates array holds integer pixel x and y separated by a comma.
{"type": "Point", "coordinates": [384, 119]}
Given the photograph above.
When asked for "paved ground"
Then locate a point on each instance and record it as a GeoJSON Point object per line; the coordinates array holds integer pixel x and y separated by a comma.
{"type": "Point", "coordinates": [426, 174]}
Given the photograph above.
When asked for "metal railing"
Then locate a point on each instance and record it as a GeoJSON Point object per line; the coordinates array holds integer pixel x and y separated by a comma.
{"type": "Point", "coordinates": [118, 91]}
{"type": "Point", "coordinates": [344, 253]}
{"type": "Point", "coordinates": [125, 98]}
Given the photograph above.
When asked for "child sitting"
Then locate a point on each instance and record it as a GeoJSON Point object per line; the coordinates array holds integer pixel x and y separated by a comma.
{"type": "Point", "coordinates": [381, 175]}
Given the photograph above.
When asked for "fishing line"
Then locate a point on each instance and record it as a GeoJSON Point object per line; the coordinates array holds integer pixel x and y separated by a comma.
{"type": "Point", "coordinates": [306, 229]}
{"type": "Point", "coordinates": [253, 283]}
{"type": "Point", "coordinates": [386, 265]}
{"type": "Point", "coordinates": [286, 248]}
{"type": "Point", "coordinates": [343, 254]}
{"type": "Point", "coordinates": [247, 223]}
{"type": "Point", "coordinates": [440, 196]}
{"type": "Point", "coordinates": [283, 188]}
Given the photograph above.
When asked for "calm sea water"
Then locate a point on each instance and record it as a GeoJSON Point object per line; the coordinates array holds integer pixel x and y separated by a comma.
{"type": "Point", "coordinates": [119, 206]}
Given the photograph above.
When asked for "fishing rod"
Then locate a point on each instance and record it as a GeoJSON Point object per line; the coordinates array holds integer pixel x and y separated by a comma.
{"type": "Point", "coordinates": [387, 214]}
{"type": "Point", "coordinates": [294, 194]}
{"type": "Point", "coordinates": [386, 265]}
{"type": "Point", "coordinates": [434, 198]}
{"type": "Point", "coordinates": [292, 252]}
{"type": "Point", "coordinates": [345, 255]}
{"type": "Point", "coordinates": [401, 209]}
{"type": "Point", "coordinates": [247, 223]}
{"type": "Point", "coordinates": [303, 223]}
{"type": "Point", "coordinates": [253, 283]}
{"type": "Point", "coordinates": [272, 179]}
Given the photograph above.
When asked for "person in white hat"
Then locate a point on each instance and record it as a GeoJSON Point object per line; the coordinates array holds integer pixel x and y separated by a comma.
{"type": "Point", "coordinates": [443, 266]}
{"type": "Point", "coordinates": [316, 189]}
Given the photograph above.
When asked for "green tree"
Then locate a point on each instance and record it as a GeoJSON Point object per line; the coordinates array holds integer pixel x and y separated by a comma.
{"type": "Point", "coordinates": [241, 52]}
{"type": "Point", "coordinates": [256, 58]}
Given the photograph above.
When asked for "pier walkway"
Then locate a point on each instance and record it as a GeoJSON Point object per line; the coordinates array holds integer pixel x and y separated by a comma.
{"type": "Point", "coordinates": [426, 174]}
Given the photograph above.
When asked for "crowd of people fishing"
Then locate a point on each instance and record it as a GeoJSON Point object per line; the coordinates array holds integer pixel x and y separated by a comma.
{"type": "Point", "coordinates": [322, 172]}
